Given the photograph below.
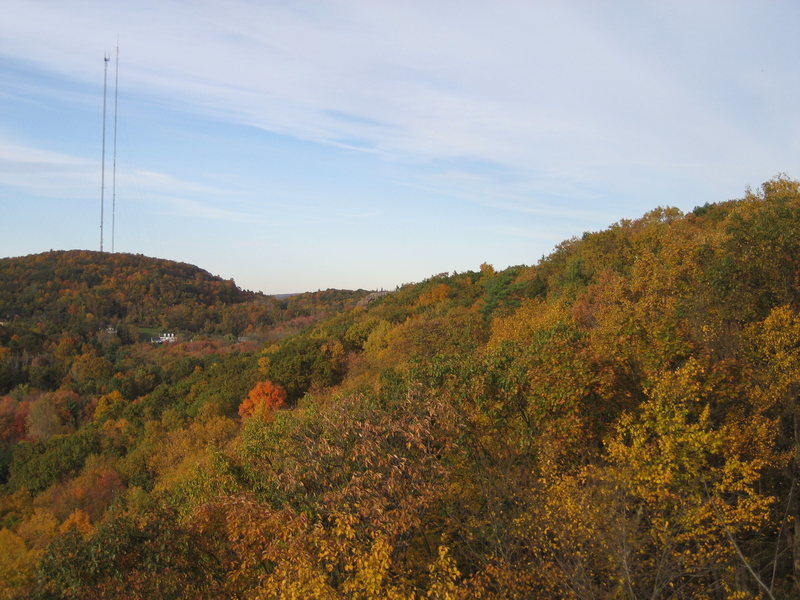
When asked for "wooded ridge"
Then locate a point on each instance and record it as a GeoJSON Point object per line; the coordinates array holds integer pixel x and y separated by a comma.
{"type": "Point", "coordinates": [620, 420]}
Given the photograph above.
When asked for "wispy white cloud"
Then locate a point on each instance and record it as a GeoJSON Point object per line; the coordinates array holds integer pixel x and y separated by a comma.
{"type": "Point", "coordinates": [45, 172]}
{"type": "Point", "coordinates": [561, 115]}
{"type": "Point", "coordinates": [58, 175]}
{"type": "Point", "coordinates": [162, 183]}
{"type": "Point", "coordinates": [511, 198]}
{"type": "Point", "coordinates": [587, 90]}
{"type": "Point", "coordinates": [187, 207]}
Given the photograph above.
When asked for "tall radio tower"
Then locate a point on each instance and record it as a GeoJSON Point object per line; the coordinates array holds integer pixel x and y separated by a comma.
{"type": "Point", "coordinates": [103, 159]}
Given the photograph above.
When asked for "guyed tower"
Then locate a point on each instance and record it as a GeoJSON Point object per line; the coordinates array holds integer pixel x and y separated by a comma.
{"type": "Point", "coordinates": [106, 60]}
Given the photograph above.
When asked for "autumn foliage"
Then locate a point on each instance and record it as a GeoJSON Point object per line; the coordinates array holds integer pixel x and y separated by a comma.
{"type": "Point", "coordinates": [263, 400]}
{"type": "Point", "coordinates": [618, 421]}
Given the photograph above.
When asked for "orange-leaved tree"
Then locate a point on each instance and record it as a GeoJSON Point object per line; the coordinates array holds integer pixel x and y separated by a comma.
{"type": "Point", "coordinates": [265, 398]}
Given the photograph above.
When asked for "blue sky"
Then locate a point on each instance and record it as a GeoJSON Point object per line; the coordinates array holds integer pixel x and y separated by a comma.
{"type": "Point", "coordinates": [303, 145]}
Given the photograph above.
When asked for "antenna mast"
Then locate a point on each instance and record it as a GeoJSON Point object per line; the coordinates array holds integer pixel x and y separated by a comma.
{"type": "Point", "coordinates": [103, 160]}
{"type": "Point", "coordinates": [114, 171]}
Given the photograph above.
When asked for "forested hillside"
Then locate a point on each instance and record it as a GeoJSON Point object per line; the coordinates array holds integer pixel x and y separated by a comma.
{"type": "Point", "coordinates": [60, 311]}
{"type": "Point", "coordinates": [619, 420]}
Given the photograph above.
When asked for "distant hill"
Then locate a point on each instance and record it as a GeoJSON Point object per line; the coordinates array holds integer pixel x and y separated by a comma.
{"type": "Point", "coordinates": [105, 300]}
{"type": "Point", "coordinates": [110, 286]}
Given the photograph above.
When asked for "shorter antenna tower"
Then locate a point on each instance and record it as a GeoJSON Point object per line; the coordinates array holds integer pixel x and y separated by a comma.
{"type": "Point", "coordinates": [114, 170]}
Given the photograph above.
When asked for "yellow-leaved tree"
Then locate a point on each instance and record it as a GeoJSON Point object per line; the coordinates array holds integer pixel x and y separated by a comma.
{"type": "Point", "coordinates": [685, 499]}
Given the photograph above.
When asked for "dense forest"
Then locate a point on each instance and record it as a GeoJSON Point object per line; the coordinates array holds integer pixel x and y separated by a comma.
{"type": "Point", "coordinates": [620, 420]}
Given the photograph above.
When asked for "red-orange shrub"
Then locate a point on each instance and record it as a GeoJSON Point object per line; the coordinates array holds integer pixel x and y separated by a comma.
{"type": "Point", "coordinates": [265, 398]}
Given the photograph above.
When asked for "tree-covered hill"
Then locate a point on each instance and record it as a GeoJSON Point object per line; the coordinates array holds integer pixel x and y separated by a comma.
{"type": "Point", "coordinates": [619, 420]}
{"type": "Point", "coordinates": [58, 305]}
{"type": "Point", "coordinates": [61, 287]}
